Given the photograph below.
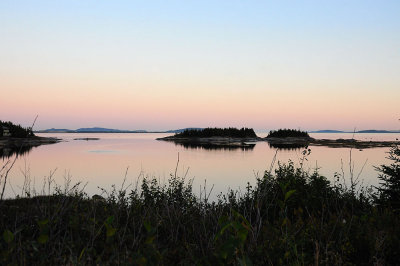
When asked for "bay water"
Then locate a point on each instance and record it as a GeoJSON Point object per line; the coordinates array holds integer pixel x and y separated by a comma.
{"type": "Point", "coordinates": [123, 159]}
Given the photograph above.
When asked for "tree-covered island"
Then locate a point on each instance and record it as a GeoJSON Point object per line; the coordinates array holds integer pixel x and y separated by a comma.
{"type": "Point", "coordinates": [217, 132]}
{"type": "Point", "coordinates": [288, 133]}
{"type": "Point", "coordinates": [289, 138]}
{"type": "Point", "coordinates": [14, 138]}
{"type": "Point", "coordinates": [281, 138]}
{"type": "Point", "coordinates": [217, 137]}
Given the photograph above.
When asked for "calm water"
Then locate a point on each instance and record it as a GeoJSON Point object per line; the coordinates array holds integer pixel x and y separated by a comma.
{"type": "Point", "coordinates": [104, 162]}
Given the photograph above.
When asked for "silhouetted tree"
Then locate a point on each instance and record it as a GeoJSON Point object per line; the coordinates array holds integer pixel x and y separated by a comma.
{"type": "Point", "coordinates": [286, 133]}
{"type": "Point", "coordinates": [218, 132]}
{"type": "Point", "coordinates": [17, 131]}
{"type": "Point", "coordinates": [389, 190]}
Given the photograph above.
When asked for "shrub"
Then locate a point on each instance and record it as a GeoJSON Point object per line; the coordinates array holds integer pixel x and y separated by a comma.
{"type": "Point", "coordinates": [289, 217]}
{"type": "Point", "coordinates": [389, 190]}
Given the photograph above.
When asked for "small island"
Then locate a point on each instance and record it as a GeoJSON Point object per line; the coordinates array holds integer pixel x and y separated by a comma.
{"type": "Point", "coordinates": [288, 133]}
{"type": "Point", "coordinates": [279, 139]}
{"type": "Point", "coordinates": [217, 137]}
{"type": "Point", "coordinates": [87, 139]}
{"type": "Point", "coordinates": [287, 138]}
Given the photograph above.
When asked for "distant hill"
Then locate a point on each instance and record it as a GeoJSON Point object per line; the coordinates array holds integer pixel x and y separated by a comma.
{"type": "Point", "coordinates": [110, 130]}
{"type": "Point", "coordinates": [56, 130]}
{"type": "Point", "coordinates": [97, 129]}
{"type": "Point", "coordinates": [90, 130]}
{"type": "Point", "coordinates": [327, 131]}
{"type": "Point", "coordinates": [375, 131]}
{"type": "Point", "coordinates": [360, 131]}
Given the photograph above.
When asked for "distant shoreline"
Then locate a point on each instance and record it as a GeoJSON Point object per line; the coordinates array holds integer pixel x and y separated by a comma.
{"type": "Point", "coordinates": [10, 142]}
{"type": "Point", "coordinates": [290, 141]}
{"type": "Point", "coordinates": [358, 132]}
{"type": "Point", "coordinates": [111, 130]}
{"type": "Point", "coordinates": [166, 132]}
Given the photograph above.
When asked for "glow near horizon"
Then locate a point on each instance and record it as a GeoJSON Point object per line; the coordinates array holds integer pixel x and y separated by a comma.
{"type": "Point", "coordinates": [158, 66]}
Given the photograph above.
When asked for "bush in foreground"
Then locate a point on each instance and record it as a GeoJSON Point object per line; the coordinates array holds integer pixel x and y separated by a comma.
{"type": "Point", "coordinates": [389, 191]}
{"type": "Point", "coordinates": [289, 217]}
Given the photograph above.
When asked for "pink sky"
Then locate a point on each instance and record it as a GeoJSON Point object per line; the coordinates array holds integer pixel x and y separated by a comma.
{"type": "Point", "coordinates": [159, 67]}
{"type": "Point", "coordinates": [158, 109]}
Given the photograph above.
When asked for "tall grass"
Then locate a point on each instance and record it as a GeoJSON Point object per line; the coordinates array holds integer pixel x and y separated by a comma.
{"type": "Point", "coordinates": [288, 217]}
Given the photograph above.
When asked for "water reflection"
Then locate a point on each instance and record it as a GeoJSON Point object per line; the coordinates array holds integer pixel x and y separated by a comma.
{"type": "Point", "coordinates": [103, 151]}
{"type": "Point", "coordinates": [210, 147]}
{"type": "Point", "coordinates": [7, 152]}
{"type": "Point", "coordinates": [143, 154]}
{"type": "Point", "coordinates": [288, 146]}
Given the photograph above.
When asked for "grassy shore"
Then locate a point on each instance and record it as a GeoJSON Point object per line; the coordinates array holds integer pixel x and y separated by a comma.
{"type": "Point", "coordinates": [289, 217]}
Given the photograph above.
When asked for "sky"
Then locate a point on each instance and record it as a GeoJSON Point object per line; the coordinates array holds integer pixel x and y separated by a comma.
{"type": "Point", "coordinates": [160, 65]}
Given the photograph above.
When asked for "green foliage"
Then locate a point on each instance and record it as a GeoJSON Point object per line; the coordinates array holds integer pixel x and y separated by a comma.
{"type": "Point", "coordinates": [218, 132]}
{"type": "Point", "coordinates": [389, 190]}
{"type": "Point", "coordinates": [290, 217]}
{"type": "Point", "coordinates": [8, 236]}
{"type": "Point", "coordinates": [231, 239]}
{"type": "Point", "coordinates": [110, 230]}
{"type": "Point", "coordinates": [17, 131]}
{"type": "Point", "coordinates": [286, 133]}
{"type": "Point", "coordinates": [43, 237]}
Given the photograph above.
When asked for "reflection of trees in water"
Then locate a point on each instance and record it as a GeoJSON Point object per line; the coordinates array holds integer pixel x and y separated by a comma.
{"type": "Point", "coordinates": [200, 146]}
{"type": "Point", "coordinates": [8, 152]}
{"type": "Point", "coordinates": [288, 146]}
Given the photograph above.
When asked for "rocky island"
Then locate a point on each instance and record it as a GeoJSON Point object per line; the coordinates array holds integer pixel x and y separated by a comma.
{"type": "Point", "coordinates": [280, 139]}
{"type": "Point", "coordinates": [295, 138]}
{"type": "Point", "coordinates": [216, 137]}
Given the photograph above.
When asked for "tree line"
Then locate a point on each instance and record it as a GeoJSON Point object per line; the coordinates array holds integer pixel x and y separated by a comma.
{"type": "Point", "coordinates": [218, 132]}
{"type": "Point", "coordinates": [16, 131]}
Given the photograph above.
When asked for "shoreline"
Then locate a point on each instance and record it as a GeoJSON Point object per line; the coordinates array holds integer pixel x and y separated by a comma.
{"type": "Point", "coordinates": [215, 141]}
{"type": "Point", "coordinates": [332, 143]}
{"type": "Point", "coordinates": [300, 141]}
{"type": "Point", "coordinates": [10, 142]}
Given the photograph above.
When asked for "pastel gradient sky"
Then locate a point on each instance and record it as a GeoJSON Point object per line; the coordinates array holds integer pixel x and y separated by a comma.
{"type": "Point", "coordinates": [160, 65]}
